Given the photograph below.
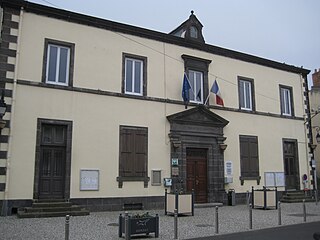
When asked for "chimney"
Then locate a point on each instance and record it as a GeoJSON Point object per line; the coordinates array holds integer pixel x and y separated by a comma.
{"type": "Point", "coordinates": [316, 78]}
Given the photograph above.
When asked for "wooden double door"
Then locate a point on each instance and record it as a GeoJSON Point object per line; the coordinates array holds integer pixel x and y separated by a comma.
{"type": "Point", "coordinates": [197, 174]}
{"type": "Point", "coordinates": [52, 162]}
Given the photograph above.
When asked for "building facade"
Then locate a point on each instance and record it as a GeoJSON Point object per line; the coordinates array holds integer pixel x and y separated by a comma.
{"type": "Point", "coordinates": [315, 114]}
{"type": "Point", "coordinates": [95, 113]}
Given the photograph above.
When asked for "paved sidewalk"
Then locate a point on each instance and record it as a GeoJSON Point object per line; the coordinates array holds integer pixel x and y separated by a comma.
{"type": "Point", "coordinates": [103, 225]}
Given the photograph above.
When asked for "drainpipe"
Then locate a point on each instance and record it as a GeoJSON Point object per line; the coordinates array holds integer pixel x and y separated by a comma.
{"type": "Point", "coordinates": [14, 90]}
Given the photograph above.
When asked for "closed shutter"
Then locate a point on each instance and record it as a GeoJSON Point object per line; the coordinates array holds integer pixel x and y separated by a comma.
{"type": "Point", "coordinates": [249, 156]}
{"type": "Point", "coordinates": [133, 151]}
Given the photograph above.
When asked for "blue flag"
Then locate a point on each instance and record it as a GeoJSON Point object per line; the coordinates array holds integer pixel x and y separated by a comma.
{"type": "Point", "coordinates": [185, 89]}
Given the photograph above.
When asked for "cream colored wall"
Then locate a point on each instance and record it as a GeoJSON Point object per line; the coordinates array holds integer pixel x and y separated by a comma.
{"type": "Point", "coordinates": [98, 64]}
{"type": "Point", "coordinates": [98, 53]}
{"type": "Point", "coordinates": [270, 132]}
{"type": "Point", "coordinates": [96, 118]}
{"type": "Point", "coordinates": [95, 139]}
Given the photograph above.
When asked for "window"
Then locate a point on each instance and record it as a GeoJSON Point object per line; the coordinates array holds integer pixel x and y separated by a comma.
{"type": "Point", "coordinates": [196, 91]}
{"type": "Point", "coordinates": [197, 71]}
{"type": "Point", "coordinates": [286, 101]}
{"type": "Point", "coordinates": [133, 154]}
{"type": "Point", "coordinates": [193, 32]}
{"type": "Point", "coordinates": [58, 63]}
{"type": "Point", "coordinates": [246, 100]}
{"type": "Point", "coordinates": [249, 158]}
{"type": "Point", "coordinates": [134, 75]}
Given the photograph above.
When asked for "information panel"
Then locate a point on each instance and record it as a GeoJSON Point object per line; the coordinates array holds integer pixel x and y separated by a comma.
{"type": "Point", "coordinates": [89, 180]}
{"type": "Point", "coordinates": [274, 179]}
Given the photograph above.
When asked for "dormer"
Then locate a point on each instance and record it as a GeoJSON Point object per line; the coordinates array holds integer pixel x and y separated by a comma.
{"type": "Point", "coordinates": [191, 29]}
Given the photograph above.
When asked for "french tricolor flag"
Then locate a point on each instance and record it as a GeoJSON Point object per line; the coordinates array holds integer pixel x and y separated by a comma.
{"type": "Point", "coordinates": [215, 89]}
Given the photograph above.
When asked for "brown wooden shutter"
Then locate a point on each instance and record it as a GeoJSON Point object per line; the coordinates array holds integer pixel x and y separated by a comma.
{"type": "Point", "coordinates": [249, 156]}
{"type": "Point", "coordinates": [254, 157]}
{"type": "Point", "coordinates": [133, 151]}
{"type": "Point", "coordinates": [140, 152]}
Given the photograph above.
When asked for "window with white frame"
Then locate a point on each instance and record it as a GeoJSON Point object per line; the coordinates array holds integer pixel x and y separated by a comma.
{"type": "Point", "coordinates": [134, 76]}
{"type": "Point", "coordinates": [286, 101]}
{"type": "Point", "coordinates": [196, 82]}
{"type": "Point", "coordinates": [246, 100]}
{"type": "Point", "coordinates": [58, 64]}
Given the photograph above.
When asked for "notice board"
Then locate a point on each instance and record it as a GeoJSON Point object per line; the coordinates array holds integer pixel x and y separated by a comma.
{"type": "Point", "coordinates": [89, 179]}
{"type": "Point", "coordinates": [274, 179]}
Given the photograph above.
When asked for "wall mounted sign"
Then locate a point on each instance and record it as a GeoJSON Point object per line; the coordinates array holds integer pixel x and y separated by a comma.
{"type": "Point", "coordinates": [274, 179]}
{"type": "Point", "coordinates": [174, 161]}
{"type": "Point", "coordinates": [175, 171]}
{"type": "Point", "coordinates": [89, 180]}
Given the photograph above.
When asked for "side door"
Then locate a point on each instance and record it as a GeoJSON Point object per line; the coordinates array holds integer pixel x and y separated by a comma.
{"type": "Point", "coordinates": [52, 162]}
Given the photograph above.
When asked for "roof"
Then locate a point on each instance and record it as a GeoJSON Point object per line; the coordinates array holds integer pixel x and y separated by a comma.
{"type": "Point", "coordinates": [146, 33]}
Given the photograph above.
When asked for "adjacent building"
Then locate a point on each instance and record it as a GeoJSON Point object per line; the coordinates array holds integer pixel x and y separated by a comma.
{"type": "Point", "coordinates": [95, 113]}
{"type": "Point", "coordinates": [315, 115]}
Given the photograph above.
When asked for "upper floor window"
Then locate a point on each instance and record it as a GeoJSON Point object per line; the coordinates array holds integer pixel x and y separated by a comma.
{"type": "Point", "coordinates": [197, 71]}
{"type": "Point", "coordinates": [193, 32]}
{"type": "Point", "coordinates": [58, 62]}
{"type": "Point", "coordinates": [286, 101]}
{"type": "Point", "coordinates": [134, 79]}
{"type": "Point", "coordinates": [196, 82]}
{"type": "Point", "coordinates": [246, 96]}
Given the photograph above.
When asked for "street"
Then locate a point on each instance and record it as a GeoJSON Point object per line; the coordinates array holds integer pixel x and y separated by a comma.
{"type": "Point", "coordinates": [302, 231]}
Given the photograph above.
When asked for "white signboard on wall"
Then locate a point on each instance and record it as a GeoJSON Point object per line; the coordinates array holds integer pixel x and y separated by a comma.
{"type": "Point", "coordinates": [280, 179]}
{"type": "Point", "coordinates": [89, 180]}
{"type": "Point", "coordinates": [274, 179]}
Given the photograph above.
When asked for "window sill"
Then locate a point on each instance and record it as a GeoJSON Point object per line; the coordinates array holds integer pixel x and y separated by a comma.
{"type": "Point", "coordinates": [242, 179]}
{"type": "Point", "coordinates": [121, 179]}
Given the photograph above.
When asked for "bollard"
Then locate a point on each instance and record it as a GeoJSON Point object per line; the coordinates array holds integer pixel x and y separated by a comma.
{"type": "Point", "coordinates": [316, 195]}
{"type": "Point", "coordinates": [126, 226]}
{"type": "Point", "coordinates": [217, 220]}
{"type": "Point", "coordinates": [304, 210]}
{"type": "Point", "coordinates": [67, 227]}
{"type": "Point", "coordinates": [250, 216]}
{"type": "Point", "coordinates": [175, 224]}
{"type": "Point", "coordinates": [279, 213]}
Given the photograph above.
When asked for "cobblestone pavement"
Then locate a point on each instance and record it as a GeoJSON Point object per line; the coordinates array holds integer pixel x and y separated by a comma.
{"type": "Point", "coordinates": [103, 225]}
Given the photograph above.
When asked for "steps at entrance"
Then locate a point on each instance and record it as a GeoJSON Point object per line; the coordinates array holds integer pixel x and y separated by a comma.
{"type": "Point", "coordinates": [51, 208]}
{"type": "Point", "coordinates": [296, 196]}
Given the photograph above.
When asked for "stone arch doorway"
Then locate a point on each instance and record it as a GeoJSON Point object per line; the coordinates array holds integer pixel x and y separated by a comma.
{"type": "Point", "coordinates": [198, 131]}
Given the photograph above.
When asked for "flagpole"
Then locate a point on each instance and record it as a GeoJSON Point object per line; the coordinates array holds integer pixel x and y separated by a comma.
{"type": "Point", "coordinates": [207, 99]}
{"type": "Point", "coordinates": [189, 81]}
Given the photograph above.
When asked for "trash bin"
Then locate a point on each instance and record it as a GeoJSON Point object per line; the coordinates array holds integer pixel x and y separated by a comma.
{"type": "Point", "coordinates": [231, 197]}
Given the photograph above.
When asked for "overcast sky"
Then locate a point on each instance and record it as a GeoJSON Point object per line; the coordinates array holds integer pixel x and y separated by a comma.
{"type": "Point", "coordinates": [282, 30]}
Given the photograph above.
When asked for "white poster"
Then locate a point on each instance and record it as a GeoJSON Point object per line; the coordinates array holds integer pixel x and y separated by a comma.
{"type": "Point", "coordinates": [269, 180]}
{"type": "Point", "coordinates": [274, 179]}
{"type": "Point", "coordinates": [280, 179]}
{"type": "Point", "coordinates": [89, 179]}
